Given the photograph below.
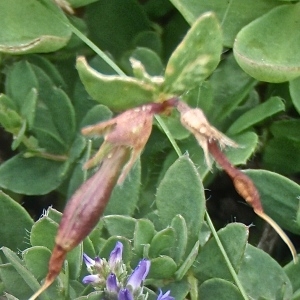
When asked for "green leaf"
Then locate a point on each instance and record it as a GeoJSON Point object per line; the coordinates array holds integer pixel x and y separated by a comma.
{"type": "Point", "coordinates": [230, 85]}
{"type": "Point", "coordinates": [162, 267]}
{"type": "Point", "coordinates": [286, 128]}
{"type": "Point", "coordinates": [23, 272]}
{"type": "Point", "coordinates": [28, 109]}
{"type": "Point", "coordinates": [218, 288]}
{"type": "Point", "coordinates": [181, 236]}
{"type": "Point", "coordinates": [295, 93]}
{"type": "Point", "coordinates": [162, 243]}
{"type": "Point", "coordinates": [257, 114]}
{"type": "Point", "coordinates": [14, 283]}
{"type": "Point", "coordinates": [196, 56]}
{"type": "Point", "coordinates": [282, 155]}
{"type": "Point", "coordinates": [96, 114]}
{"type": "Point", "coordinates": [150, 60]}
{"type": "Point", "coordinates": [36, 260]}
{"type": "Point", "coordinates": [15, 88]}
{"type": "Point", "coordinates": [184, 268]}
{"type": "Point", "coordinates": [54, 107]}
{"type": "Point", "coordinates": [279, 196]}
{"type": "Point", "coordinates": [179, 289]}
{"type": "Point", "coordinates": [124, 198]}
{"type": "Point", "coordinates": [181, 192]}
{"type": "Point", "coordinates": [62, 113]}
{"type": "Point", "coordinates": [247, 143]}
{"type": "Point", "coordinates": [49, 68]}
{"type": "Point", "coordinates": [14, 222]}
{"type": "Point", "coordinates": [210, 262]}
{"type": "Point", "coordinates": [143, 234]}
{"type": "Point", "coordinates": [174, 125]}
{"type": "Point", "coordinates": [258, 51]}
{"type": "Point", "coordinates": [233, 15]}
{"type": "Point", "coordinates": [120, 225]}
{"type": "Point", "coordinates": [262, 277]}
{"type": "Point", "coordinates": [31, 176]}
{"type": "Point", "coordinates": [29, 27]}
{"type": "Point", "coordinates": [116, 92]}
{"type": "Point", "coordinates": [292, 271]}
{"type": "Point", "coordinates": [117, 29]}
{"type": "Point", "coordinates": [44, 227]}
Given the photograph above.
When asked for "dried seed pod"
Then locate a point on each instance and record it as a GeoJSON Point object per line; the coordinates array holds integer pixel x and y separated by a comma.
{"type": "Point", "coordinates": [125, 138]}
{"type": "Point", "coordinates": [84, 210]}
{"type": "Point", "coordinates": [246, 188]}
{"type": "Point", "coordinates": [194, 120]}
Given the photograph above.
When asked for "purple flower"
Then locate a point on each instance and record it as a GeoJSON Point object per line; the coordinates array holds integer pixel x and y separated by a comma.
{"type": "Point", "coordinates": [91, 279]}
{"type": "Point", "coordinates": [165, 296]}
{"type": "Point", "coordinates": [125, 294]}
{"type": "Point", "coordinates": [112, 283]}
{"type": "Point", "coordinates": [139, 274]}
{"type": "Point", "coordinates": [88, 261]}
{"type": "Point", "coordinates": [115, 257]}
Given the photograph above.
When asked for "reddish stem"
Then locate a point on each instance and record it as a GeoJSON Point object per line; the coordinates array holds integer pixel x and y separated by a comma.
{"type": "Point", "coordinates": [243, 184]}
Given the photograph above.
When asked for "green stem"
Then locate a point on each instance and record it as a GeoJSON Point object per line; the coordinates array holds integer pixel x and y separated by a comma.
{"type": "Point", "coordinates": [86, 40]}
{"type": "Point", "coordinates": [97, 50]}
{"type": "Point", "coordinates": [166, 130]}
{"type": "Point", "coordinates": [229, 265]}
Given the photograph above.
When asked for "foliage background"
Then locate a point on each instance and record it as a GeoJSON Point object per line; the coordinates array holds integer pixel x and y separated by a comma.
{"type": "Point", "coordinates": [252, 96]}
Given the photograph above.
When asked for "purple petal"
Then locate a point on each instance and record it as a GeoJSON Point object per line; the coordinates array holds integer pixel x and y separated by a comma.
{"type": "Point", "coordinates": [139, 274]}
{"type": "Point", "coordinates": [111, 283]}
{"type": "Point", "coordinates": [91, 279]}
{"type": "Point", "coordinates": [125, 294]}
{"type": "Point", "coordinates": [116, 255]}
{"type": "Point", "coordinates": [165, 296]}
{"type": "Point", "coordinates": [88, 261]}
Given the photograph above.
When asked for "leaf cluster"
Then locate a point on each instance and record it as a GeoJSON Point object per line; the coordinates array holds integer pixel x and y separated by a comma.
{"type": "Point", "coordinates": [237, 61]}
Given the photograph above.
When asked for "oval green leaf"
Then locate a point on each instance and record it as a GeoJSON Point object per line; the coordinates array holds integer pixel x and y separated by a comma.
{"type": "Point", "coordinates": [162, 243]}
{"type": "Point", "coordinates": [218, 288]}
{"type": "Point", "coordinates": [267, 48]}
{"type": "Point", "coordinates": [210, 262]}
{"type": "Point", "coordinates": [234, 14]}
{"type": "Point", "coordinates": [38, 176]}
{"type": "Point", "coordinates": [257, 114]}
{"type": "Point", "coordinates": [30, 27]}
{"type": "Point", "coordinates": [196, 57]}
{"type": "Point", "coordinates": [162, 267]}
{"type": "Point", "coordinates": [181, 192]}
{"type": "Point", "coordinates": [116, 92]}
{"type": "Point", "coordinates": [143, 234]}
{"type": "Point", "coordinates": [15, 222]}
{"type": "Point", "coordinates": [262, 277]}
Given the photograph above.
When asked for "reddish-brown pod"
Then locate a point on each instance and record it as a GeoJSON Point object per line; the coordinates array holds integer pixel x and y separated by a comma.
{"type": "Point", "coordinates": [125, 136]}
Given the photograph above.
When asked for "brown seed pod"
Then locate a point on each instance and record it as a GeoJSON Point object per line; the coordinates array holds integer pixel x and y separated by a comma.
{"type": "Point", "coordinates": [125, 138]}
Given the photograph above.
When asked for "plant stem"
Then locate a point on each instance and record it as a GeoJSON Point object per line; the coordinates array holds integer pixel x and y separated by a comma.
{"type": "Point", "coordinates": [168, 134]}
{"type": "Point", "coordinates": [229, 265]}
{"type": "Point", "coordinates": [97, 50]}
